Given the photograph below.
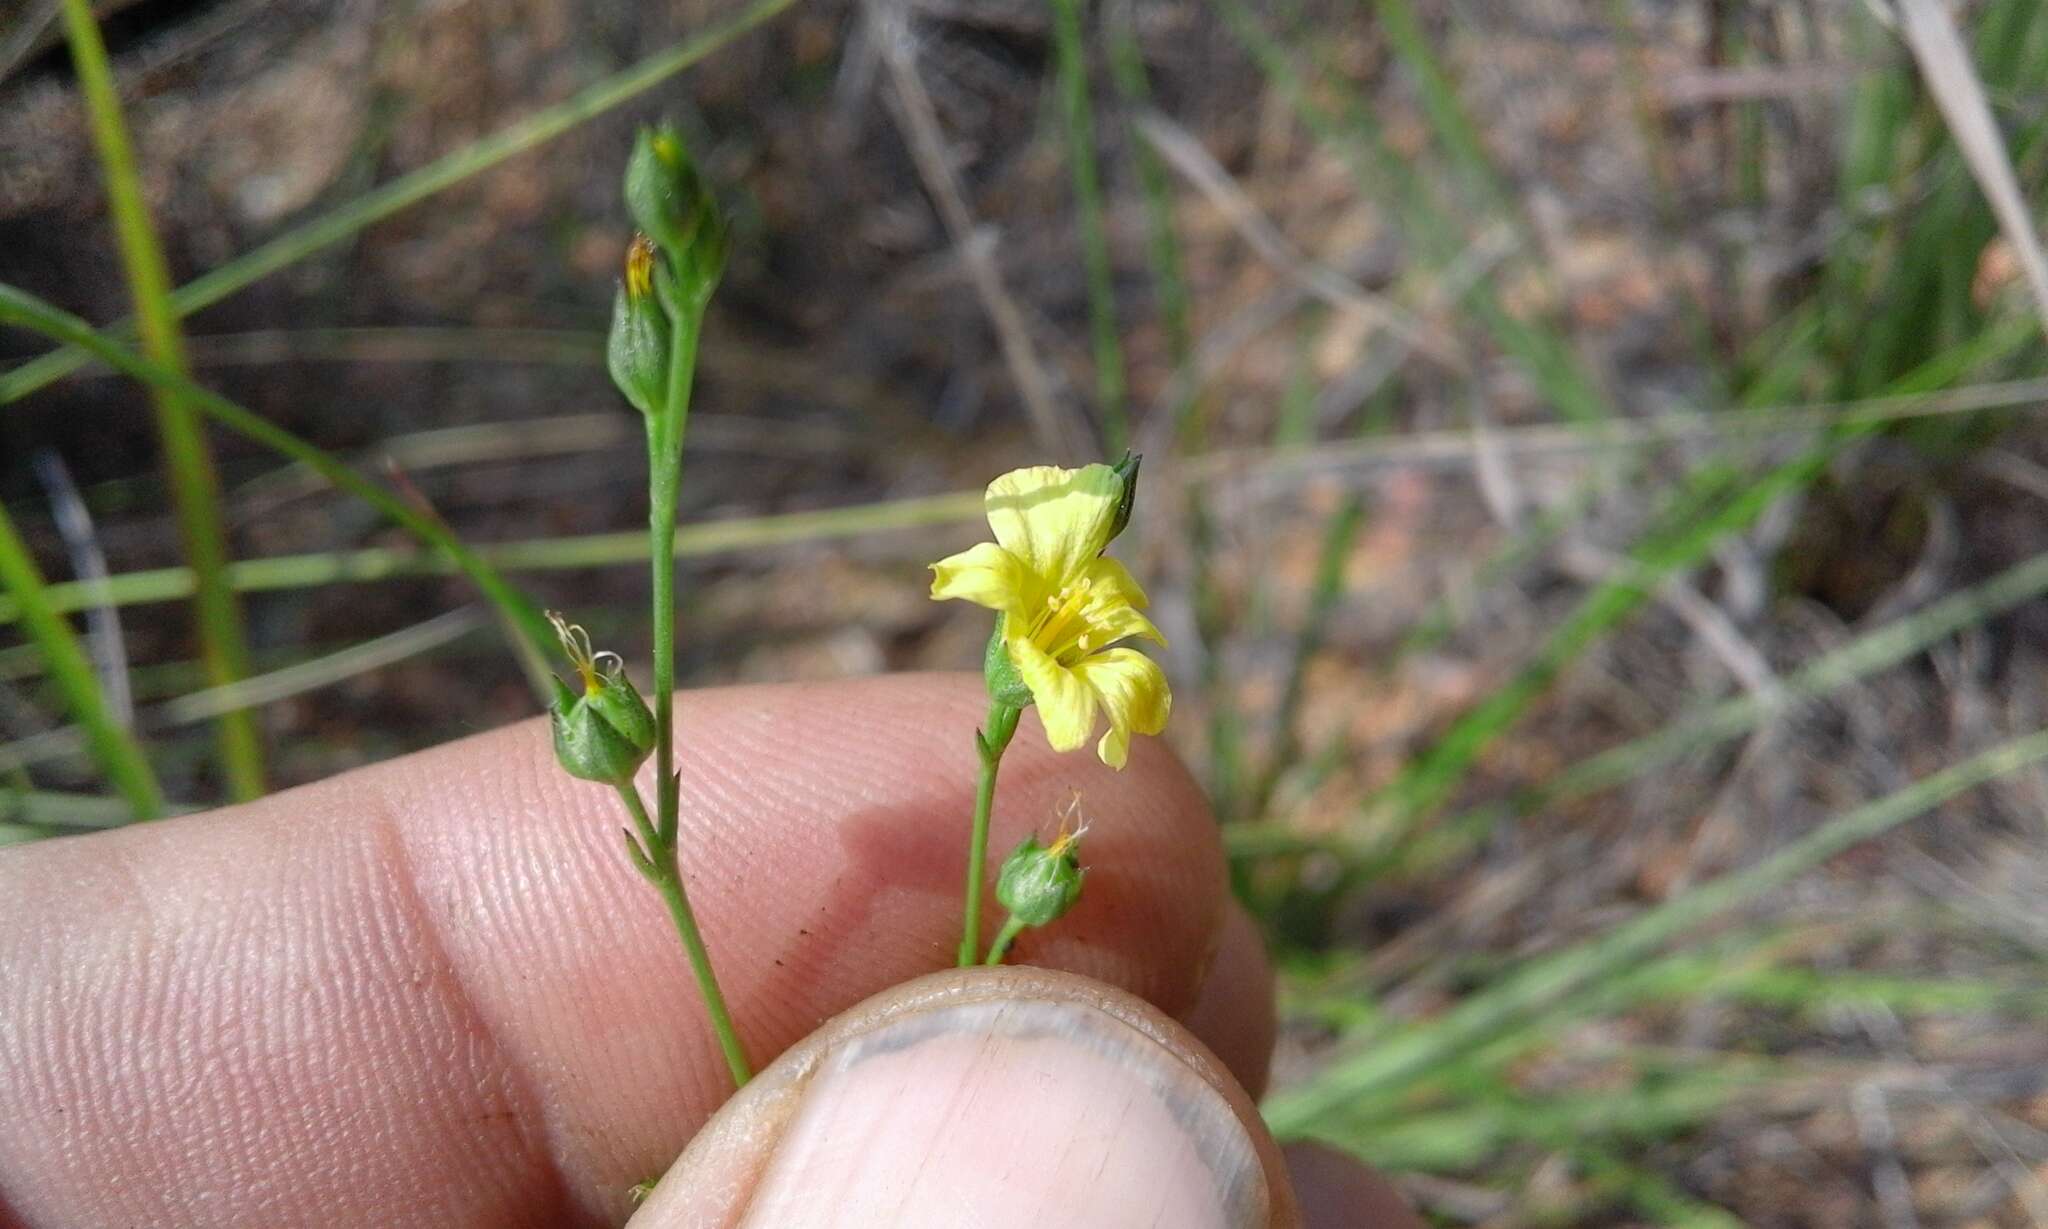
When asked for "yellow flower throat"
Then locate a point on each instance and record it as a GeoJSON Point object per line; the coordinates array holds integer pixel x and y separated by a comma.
{"type": "Point", "coordinates": [1055, 627]}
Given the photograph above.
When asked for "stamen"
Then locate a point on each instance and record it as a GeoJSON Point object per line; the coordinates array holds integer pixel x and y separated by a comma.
{"type": "Point", "coordinates": [1073, 825]}
{"type": "Point", "coordinates": [576, 647]}
{"type": "Point", "coordinates": [1060, 614]}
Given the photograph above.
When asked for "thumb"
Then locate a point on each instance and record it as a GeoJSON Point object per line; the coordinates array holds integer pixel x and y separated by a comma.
{"type": "Point", "coordinates": [1007, 1098]}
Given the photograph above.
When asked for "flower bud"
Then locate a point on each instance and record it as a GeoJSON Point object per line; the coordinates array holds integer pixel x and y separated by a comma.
{"type": "Point", "coordinates": [606, 732]}
{"type": "Point", "coordinates": [670, 201]}
{"type": "Point", "coordinates": [1126, 469]}
{"type": "Point", "coordinates": [1039, 883]}
{"type": "Point", "coordinates": [638, 349]}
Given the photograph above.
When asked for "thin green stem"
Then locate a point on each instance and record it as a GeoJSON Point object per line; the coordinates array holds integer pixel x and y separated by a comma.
{"type": "Point", "coordinates": [1004, 937]}
{"type": "Point", "coordinates": [112, 746]}
{"type": "Point", "coordinates": [18, 307]}
{"type": "Point", "coordinates": [665, 431]}
{"type": "Point", "coordinates": [410, 189]}
{"type": "Point", "coordinates": [663, 869]}
{"type": "Point", "coordinates": [647, 841]}
{"type": "Point", "coordinates": [669, 878]}
{"type": "Point", "coordinates": [989, 742]}
{"type": "Point", "coordinates": [195, 486]}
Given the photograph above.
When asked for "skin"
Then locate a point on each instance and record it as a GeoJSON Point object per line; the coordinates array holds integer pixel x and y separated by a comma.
{"type": "Point", "coordinates": [433, 992]}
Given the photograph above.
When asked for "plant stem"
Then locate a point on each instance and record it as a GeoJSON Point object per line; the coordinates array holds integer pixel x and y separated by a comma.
{"type": "Point", "coordinates": [112, 746]}
{"type": "Point", "coordinates": [195, 487]}
{"type": "Point", "coordinates": [1004, 937]}
{"type": "Point", "coordinates": [665, 431]}
{"type": "Point", "coordinates": [990, 743]}
{"type": "Point", "coordinates": [669, 879]}
{"type": "Point", "coordinates": [663, 870]}
{"type": "Point", "coordinates": [643, 828]}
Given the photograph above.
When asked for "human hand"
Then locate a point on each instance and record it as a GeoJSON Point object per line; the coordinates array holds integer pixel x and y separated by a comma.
{"type": "Point", "coordinates": [433, 992]}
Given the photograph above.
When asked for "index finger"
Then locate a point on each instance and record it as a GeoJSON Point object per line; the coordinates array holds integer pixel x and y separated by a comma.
{"type": "Point", "coordinates": [432, 991]}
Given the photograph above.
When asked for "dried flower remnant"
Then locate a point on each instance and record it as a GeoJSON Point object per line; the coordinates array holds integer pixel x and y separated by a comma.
{"type": "Point", "coordinates": [637, 350]}
{"type": "Point", "coordinates": [604, 732]}
{"type": "Point", "coordinates": [1038, 883]}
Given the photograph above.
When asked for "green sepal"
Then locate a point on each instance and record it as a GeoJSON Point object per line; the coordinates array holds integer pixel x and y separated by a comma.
{"type": "Point", "coordinates": [685, 291]}
{"type": "Point", "coordinates": [619, 703]}
{"type": "Point", "coordinates": [603, 734]}
{"type": "Point", "coordinates": [663, 192]}
{"type": "Point", "coordinates": [1005, 685]}
{"type": "Point", "coordinates": [1127, 470]}
{"type": "Point", "coordinates": [638, 350]}
{"type": "Point", "coordinates": [1039, 884]}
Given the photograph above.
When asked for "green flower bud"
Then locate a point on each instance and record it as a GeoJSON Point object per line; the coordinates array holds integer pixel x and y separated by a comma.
{"type": "Point", "coordinates": [1126, 469]}
{"type": "Point", "coordinates": [670, 201]}
{"type": "Point", "coordinates": [606, 732]}
{"type": "Point", "coordinates": [638, 350]}
{"type": "Point", "coordinates": [1039, 883]}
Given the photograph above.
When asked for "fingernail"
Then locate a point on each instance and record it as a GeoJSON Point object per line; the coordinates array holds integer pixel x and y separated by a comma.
{"type": "Point", "coordinates": [1013, 1114]}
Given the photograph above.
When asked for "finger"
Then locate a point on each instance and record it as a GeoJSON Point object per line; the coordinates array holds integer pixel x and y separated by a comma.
{"type": "Point", "coordinates": [1337, 1192]}
{"type": "Point", "coordinates": [1003, 1099]}
{"type": "Point", "coordinates": [433, 991]}
{"type": "Point", "coordinates": [1234, 1014]}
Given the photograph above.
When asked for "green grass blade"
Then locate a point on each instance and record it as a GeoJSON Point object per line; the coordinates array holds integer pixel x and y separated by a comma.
{"type": "Point", "coordinates": [1710, 507]}
{"type": "Point", "coordinates": [1856, 660]}
{"type": "Point", "coordinates": [410, 189]}
{"type": "Point", "coordinates": [1325, 590]}
{"type": "Point", "coordinates": [1440, 103]}
{"type": "Point", "coordinates": [1078, 112]}
{"type": "Point", "coordinates": [1162, 243]}
{"type": "Point", "coordinates": [195, 486]}
{"type": "Point", "coordinates": [537, 555]}
{"type": "Point", "coordinates": [113, 748]}
{"type": "Point", "coordinates": [1546, 980]}
{"type": "Point", "coordinates": [1850, 663]}
{"type": "Point", "coordinates": [1347, 126]}
{"type": "Point", "coordinates": [46, 809]}
{"type": "Point", "coordinates": [258, 690]}
{"type": "Point", "coordinates": [19, 307]}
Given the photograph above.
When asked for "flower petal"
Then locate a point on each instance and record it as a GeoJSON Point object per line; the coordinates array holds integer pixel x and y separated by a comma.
{"type": "Point", "coordinates": [985, 574]}
{"type": "Point", "coordinates": [1111, 580]}
{"type": "Point", "coordinates": [1133, 691]}
{"type": "Point", "coordinates": [1066, 706]}
{"type": "Point", "coordinates": [1054, 520]}
{"type": "Point", "coordinates": [1115, 599]}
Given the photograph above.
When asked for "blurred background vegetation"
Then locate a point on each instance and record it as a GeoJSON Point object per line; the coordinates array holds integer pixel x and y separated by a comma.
{"type": "Point", "coordinates": [1591, 489]}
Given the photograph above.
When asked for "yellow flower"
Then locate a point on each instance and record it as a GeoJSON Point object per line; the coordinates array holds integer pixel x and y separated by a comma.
{"type": "Point", "coordinates": [1064, 605]}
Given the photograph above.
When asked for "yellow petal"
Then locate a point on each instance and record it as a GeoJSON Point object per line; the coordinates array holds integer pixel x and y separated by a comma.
{"type": "Point", "coordinates": [986, 575]}
{"type": "Point", "coordinates": [1114, 602]}
{"type": "Point", "coordinates": [1054, 520]}
{"type": "Point", "coordinates": [1112, 581]}
{"type": "Point", "coordinates": [1066, 706]}
{"type": "Point", "coordinates": [1132, 689]}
